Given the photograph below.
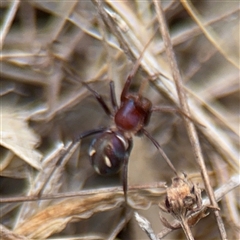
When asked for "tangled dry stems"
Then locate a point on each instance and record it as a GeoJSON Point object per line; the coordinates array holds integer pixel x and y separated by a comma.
{"type": "Point", "coordinates": [41, 107]}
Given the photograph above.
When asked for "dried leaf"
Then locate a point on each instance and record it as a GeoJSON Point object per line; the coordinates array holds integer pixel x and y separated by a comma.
{"type": "Point", "coordinates": [9, 235]}
{"type": "Point", "coordinates": [16, 135]}
{"type": "Point", "coordinates": [54, 218]}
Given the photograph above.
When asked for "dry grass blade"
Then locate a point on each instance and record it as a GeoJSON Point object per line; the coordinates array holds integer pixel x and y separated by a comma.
{"type": "Point", "coordinates": [145, 225]}
{"type": "Point", "coordinates": [101, 41]}
{"type": "Point", "coordinates": [8, 20]}
{"type": "Point", "coordinates": [210, 34]}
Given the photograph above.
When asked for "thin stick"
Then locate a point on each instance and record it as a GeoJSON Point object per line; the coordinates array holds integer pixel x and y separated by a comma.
{"type": "Point", "coordinates": [82, 193]}
{"type": "Point", "coordinates": [186, 229]}
{"type": "Point", "coordinates": [184, 105]}
{"type": "Point", "coordinates": [6, 24]}
{"type": "Point", "coordinates": [145, 225]}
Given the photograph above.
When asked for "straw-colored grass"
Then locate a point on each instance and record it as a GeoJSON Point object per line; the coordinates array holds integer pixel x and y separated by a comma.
{"type": "Point", "coordinates": [49, 48]}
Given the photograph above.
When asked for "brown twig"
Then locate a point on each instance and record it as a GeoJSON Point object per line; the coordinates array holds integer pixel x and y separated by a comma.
{"type": "Point", "coordinates": [184, 105]}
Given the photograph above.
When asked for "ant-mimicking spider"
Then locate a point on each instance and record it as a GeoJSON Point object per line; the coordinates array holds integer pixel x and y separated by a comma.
{"type": "Point", "coordinates": [110, 151]}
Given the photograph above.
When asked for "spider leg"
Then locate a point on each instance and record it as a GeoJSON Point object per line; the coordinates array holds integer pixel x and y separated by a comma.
{"type": "Point", "coordinates": [89, 133]}
{"type": "Point", "coordinates": [159, 148]}
{"type": "Point", "coordinates": [125, 169]}
{"type": "Point", "coordinates": [168, 109]}
{"type": "Point", "coordinates": [175, 110]}
{"type": "Point", "coordinates": [99, 99]}
{"type": "Point", "coordinates": [134, 70]}
{"type": "Point", "coordinates": [126, 88]}
{"type": "Point", "coordinates": [61, 161]}
{"type": "Point", "coordinates": [79, 138]}
{"type": "Point", "coordinates": [113, 96]}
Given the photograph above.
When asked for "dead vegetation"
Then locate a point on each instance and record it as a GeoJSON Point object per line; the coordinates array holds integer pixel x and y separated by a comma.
{"type": "Point", "coordinates": [43, 109]}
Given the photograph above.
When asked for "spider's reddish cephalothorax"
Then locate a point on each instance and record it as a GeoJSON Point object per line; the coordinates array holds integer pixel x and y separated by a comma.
{"type": "Point", "coordinates": [133, 114]}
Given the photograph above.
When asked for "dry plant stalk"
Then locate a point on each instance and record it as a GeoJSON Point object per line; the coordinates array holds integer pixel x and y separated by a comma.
{"type": "Point", "coordinates": [189, 125]}
{"type": "Point", "coordinates": [42, 111]}
{"type": "Point", "coordinates": [183, 199]}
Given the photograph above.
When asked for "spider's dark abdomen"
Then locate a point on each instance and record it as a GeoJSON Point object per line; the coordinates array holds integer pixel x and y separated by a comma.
{"type": "Point", "coordinates": [108, 151]}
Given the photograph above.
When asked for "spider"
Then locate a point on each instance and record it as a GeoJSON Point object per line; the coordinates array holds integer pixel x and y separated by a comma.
{"type": "Point", "coordinates": [109, 152]}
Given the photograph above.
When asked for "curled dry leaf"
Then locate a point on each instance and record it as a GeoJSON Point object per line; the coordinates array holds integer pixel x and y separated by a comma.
{"type": "Point", "coordinates": [54, 218]}
{"type": "Point", "coordinates": [17, 136]}
{"type": "Point", "coordinates": [9, 235]}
